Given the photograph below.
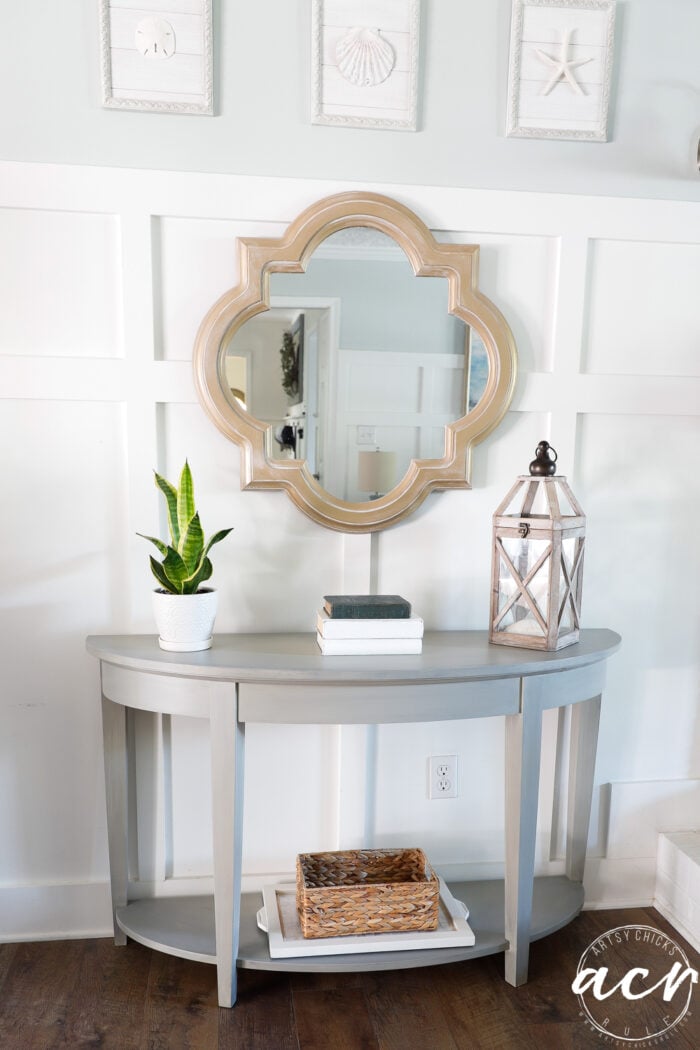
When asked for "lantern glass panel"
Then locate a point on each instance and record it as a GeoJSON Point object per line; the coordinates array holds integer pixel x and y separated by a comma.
{"type": "Point", "coordinates": [569, 551]}
{"type": "Point", "coordinates": [524, 554]}
{"type": "Point", "coordinates": [566, 623]}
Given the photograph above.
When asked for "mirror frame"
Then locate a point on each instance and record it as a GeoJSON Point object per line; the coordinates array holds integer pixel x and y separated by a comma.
{"type": "Point", "coordinates": [258, 258]}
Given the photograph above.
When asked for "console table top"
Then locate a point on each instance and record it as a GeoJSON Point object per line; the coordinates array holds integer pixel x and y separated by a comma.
{"type": "Point", "coordinates": [448, 656]}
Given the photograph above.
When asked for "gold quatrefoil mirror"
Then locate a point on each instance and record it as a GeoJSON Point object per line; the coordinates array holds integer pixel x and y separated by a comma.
{"type": "Point", "coordinates": [356, 363]}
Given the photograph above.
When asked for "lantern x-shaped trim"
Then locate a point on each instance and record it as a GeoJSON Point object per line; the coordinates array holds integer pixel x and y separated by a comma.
{"type": "Point", "coordinates": [538, 544]}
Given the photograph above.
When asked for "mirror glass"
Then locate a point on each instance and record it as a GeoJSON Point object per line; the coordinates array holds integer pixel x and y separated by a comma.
{"type": "Point", "coordinates": [357, 366]}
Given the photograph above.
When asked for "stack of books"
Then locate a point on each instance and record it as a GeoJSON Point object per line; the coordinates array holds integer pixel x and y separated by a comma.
{"type": "Point", "coordinates": [368, 624]}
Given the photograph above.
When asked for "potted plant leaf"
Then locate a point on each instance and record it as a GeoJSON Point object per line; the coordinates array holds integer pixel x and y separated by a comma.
{"type": "Point", "coordinates": [184, 609]}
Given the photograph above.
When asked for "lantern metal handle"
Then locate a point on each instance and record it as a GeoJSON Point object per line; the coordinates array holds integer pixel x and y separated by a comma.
{"type": "Point", "coordinates": [543, 464]}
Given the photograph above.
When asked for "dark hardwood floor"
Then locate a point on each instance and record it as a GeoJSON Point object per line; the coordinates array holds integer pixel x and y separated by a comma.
{"type": "Point", "coordinates": [89, 993]}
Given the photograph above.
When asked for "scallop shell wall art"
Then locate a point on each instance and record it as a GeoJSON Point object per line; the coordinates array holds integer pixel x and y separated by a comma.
{"type": "Point", "coordinates": [365, 63]}
{"type": "Point", "coordinates": [364, 57]}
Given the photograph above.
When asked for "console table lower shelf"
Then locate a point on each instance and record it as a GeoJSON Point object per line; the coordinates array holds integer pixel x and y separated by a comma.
{"type": "Point", "coordinates": [184, 926]}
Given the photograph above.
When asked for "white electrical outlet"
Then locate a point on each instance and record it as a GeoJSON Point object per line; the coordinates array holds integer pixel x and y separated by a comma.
{"type": "Point", "coordinates": [442, 776]}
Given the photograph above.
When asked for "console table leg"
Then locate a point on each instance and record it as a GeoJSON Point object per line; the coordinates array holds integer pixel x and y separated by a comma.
{"type": "Point", "coordinates": [115, 759]}
{"type": "Point", "coordinates": [523, 746]}
{"type": "Point", "coordinates": [584, 741]}
{"type": "Point", "coordinates": [227, 753]}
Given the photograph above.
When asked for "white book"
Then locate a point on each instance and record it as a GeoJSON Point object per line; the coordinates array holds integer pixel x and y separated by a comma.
{"type": "Point", "coordinates": [405, 627]}
{"type": "Point", "coordinates": [368, 646]}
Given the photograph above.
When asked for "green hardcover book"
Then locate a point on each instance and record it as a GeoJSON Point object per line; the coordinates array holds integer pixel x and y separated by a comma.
{"type": "Point", "coordinates": [366, 606]}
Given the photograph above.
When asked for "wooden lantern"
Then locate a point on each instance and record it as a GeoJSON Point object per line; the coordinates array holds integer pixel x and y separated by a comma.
{"type": "Point", "coordinates": [538, 542]}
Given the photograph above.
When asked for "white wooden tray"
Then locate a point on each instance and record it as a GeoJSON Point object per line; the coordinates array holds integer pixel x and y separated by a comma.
{"type": "Point", "coordinates": [279, 919]}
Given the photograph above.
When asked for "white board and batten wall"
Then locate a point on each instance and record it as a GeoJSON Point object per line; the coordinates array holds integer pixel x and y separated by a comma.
{"type": "Point", "coordinates": [106, 274]}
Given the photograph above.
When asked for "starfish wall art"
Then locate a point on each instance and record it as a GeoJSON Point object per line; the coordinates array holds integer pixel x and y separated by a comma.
{"type": "Point", "coordinates": [560, 69]}
{"type": "Point", "coordinates": [563, 65]}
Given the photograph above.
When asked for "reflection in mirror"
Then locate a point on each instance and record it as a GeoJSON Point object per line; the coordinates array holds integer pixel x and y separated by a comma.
{"type": "Point", "coordinates": [357, 367]}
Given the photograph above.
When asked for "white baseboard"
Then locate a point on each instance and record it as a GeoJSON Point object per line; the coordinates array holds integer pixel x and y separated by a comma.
{"type": "Point", "coordinates": [67, 911]}
{"type": "Point", "coordinates": [678, 882]}
{"type": "Point", "coordinates": [670, 913]}
{"type": "Point", "coordinates": [55, 912]}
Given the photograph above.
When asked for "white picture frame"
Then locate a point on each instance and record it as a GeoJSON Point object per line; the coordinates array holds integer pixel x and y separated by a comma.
{"type": "Point", "coordinates": [157, 57]}
{"type": "Point", "coordinates": [560, 70]}
{"type": "Point", "coordinates": [364, 63]}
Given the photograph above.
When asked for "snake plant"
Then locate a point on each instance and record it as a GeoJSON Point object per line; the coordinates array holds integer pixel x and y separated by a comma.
{"type": "Point", "coordinates": [185, 565]}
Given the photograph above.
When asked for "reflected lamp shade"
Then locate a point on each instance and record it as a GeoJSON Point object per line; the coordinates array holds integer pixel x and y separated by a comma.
{"type": "Point", "coordinates": [537, 568]}
{"type": "Point", "coordinates": [376, 471]}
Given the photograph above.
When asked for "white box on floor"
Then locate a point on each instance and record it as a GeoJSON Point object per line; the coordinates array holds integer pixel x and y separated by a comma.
{"type": "Point", "coordinates": [677, 894]}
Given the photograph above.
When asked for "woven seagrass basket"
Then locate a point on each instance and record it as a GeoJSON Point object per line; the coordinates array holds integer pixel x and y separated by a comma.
{"type": "Point", "coordinates": [366, 891]}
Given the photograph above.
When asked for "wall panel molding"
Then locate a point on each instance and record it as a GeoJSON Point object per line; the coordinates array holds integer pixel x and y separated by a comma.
{"type": "Point", "coordinates": [151, 217]}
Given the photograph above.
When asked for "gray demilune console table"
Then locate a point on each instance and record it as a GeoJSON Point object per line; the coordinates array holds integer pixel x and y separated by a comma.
{"type": "Point", "coordinates": [282, 678]}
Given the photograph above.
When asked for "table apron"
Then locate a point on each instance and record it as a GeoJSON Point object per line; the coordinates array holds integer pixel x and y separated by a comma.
{"type": "Point", "coordinates": [562, 688]}
{"type": "Point", "coordinates": [162, 693]}
{"type": "Point", "coordinates": [354, 703]}
{"type": "Point", "coordinates": [366, 704]}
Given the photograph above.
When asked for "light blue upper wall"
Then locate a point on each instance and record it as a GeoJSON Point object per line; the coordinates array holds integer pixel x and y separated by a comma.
{"type": "Point", "coordinates": [51, 112]}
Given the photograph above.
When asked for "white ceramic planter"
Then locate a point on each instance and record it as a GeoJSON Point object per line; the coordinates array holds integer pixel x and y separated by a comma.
{"type": "Point", "coordinates": [185, 622]}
